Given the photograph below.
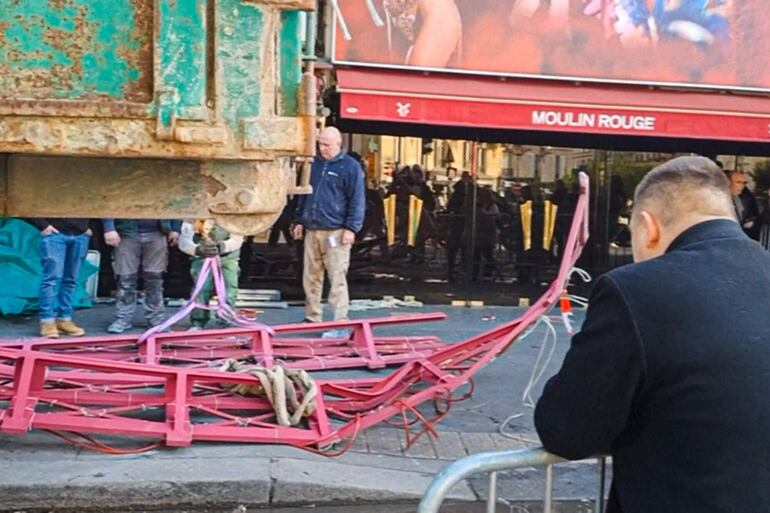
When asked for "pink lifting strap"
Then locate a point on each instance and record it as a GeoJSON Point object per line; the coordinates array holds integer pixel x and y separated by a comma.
{"type": "Point", "coordinates": [212, 267]}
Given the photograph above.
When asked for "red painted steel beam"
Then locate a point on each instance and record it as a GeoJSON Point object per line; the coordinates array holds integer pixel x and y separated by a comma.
{"type": "Point", "coordinates": [102, 395]}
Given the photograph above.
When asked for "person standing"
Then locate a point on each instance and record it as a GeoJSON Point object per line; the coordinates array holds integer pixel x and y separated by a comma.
{"type": "Point", "coordinates": [139, 242]}
{"type": "Point", "coordinates": [487, 234]}
{"type": "Point", "coordinates": [329, 219]}
{"type": "Point", "coordinates": [202, 239]}
{"type": "Point", "coordinates": [670, 371]}
{"type": "Point", "coordinates": [745, 203]}
{"type": "Point", "coordinates": [63, 247]}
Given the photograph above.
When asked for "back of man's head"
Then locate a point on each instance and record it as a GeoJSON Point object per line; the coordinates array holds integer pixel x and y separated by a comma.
{"type": "Point", "coordinates": [685, 188]}
{"type": "Point", "coordinates": [673, 197]}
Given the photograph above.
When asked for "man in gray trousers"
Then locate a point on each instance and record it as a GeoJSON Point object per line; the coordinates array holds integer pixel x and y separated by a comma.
{"type": "Point", "coordinates": [139, 242]}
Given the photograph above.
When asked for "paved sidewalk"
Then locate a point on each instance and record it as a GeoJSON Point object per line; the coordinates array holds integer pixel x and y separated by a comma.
{"type": "Point", "coordinates": [39, 472]}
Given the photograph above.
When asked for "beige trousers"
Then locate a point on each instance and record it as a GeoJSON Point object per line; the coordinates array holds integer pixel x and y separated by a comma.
{"type": "Point", "coordinates": [324, 251]}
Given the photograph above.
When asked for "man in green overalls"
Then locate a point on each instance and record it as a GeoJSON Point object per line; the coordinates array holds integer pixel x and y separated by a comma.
{"type": "Point", "coordinates": [203, 239]}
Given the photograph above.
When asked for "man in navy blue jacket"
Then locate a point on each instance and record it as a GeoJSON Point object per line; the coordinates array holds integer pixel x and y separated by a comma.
{"type": "Point", "coordinates": [671, 370]}
{"type": "Point", "coordinates": [328, 219]}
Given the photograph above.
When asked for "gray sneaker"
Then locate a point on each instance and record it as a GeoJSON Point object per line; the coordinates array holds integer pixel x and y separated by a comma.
{"type": "Point", "coordinates": [119, 326]}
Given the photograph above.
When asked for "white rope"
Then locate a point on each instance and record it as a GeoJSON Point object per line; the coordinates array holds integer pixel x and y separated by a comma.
{"type": "Point", "coordinates": [538, 370]}
{"type": "Point", "coordinates": [502, 431]}
{"type": "Point", "coordinates": [580, 301]}
{"type": "Point", "coordinates": [542, 362]}
{"type": "Point", "coordinates": [582, 273]}
{"type": "Point", "coordinates": [587, 278]}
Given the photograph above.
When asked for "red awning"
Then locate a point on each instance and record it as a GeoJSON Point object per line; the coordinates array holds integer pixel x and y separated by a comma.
{"type": "Point", "coordinates": [487, 102]}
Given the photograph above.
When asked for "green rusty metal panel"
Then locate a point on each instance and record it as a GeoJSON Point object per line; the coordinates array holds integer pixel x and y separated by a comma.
{"type": "Point", "coordinates": [290, 61]}
{"type": "Point", "coordinates": [181, 56]}
{"type": "Point", "coordinates": [219, 79]}
{"type": "Point", "coordinates": [70, 49]}
{"type": "Point", "coordinates": [239, 55]}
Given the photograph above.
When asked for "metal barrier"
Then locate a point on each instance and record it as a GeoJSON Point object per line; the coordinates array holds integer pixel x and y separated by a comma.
{"type": "Point", "coordinates": [492, 463]}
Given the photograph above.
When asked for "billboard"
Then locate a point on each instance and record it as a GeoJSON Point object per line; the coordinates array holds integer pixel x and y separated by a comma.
{"type": "Point", "coordinates": [721, 44]}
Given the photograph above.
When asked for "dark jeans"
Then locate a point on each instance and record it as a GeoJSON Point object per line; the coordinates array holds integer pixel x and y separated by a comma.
{"type": "Point", "coordinates": [60, 258]}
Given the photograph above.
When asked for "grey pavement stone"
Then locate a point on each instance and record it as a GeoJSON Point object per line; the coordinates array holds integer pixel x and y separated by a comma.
{"type": "Point", "coordinates": [100, 485]}
{"type": "Point", "coordinates": [449, 446]}
{"type": "Point", "coordinates": [384, 441]}
{"type": "Point", "coordinates": [421, 448]}
{"type": "Point", "coordinates": [384, 461]}
{"type": "Point", "coordinates": [360, 444]}
{"type": "Point", "coordinates": [219, 451]}
{"type": "Point", "coordinates": [478, 442]}
{"type": "Point", "coordinates": [296, 482]}
{"type": "Point", "coordinates": [34, 446]}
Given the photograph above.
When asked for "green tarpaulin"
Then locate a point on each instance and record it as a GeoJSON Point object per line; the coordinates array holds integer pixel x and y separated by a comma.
{"type": "Point", "coordinates": [20, 269]}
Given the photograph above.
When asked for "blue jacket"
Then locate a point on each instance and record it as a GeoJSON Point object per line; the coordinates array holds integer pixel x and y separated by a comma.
{"type": "Point", "coordinates": [338, 199]}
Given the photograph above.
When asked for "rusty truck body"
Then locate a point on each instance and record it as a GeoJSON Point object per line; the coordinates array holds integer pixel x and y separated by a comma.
{"type": "Point", "coordinates": [154, 108]}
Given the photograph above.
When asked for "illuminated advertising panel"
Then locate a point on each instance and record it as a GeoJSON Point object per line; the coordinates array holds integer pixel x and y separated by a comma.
{"type": "Point", "coordinates": [721, 44]}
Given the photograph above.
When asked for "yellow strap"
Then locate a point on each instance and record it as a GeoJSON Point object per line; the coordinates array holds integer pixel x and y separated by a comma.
{"type": "Point", "coordinates": [550, 228]}
{"type": "Point", "coordinates": [415, 215]}
{"type": "Point", "coordinates": [549, 224]}
{"type": "Point", "coordinates": [526, 224]}
{"type": "Point", "coordinates": [390, 217]}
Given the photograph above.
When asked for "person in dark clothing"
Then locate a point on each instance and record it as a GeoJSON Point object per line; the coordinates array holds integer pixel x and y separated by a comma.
{"type": "Point", "coordinates": [63, 247]}
{"type": "Point", "coordinates": [282, 225]}
{"type": "Point", "coordinates": [746, 208]}
{"type": "Point", "coordinates": [139, 243]}
{"type": "Point", "coordinates": [374, 214]}
{"type": "Point", "coordinates": [670, 371]}
{"type": "Point", "coordinates": [419, 188]}
{"type": "Point", "coordinates": [458, 236]}
{"type": "Point", "coordinates": [763, 221]}
{"type": "Point", "coordinates": [559, 193]}
{"type": "Point", "coordinates": [487, 213]}
{"type": "Point", "coordinates": [619, 233]}
{"type": "Point", "coordinates": [402, 188]}
{"type": "Point", "coordinates": [566, 200]}
{"type": "Point", "coordinates": [327, 221]}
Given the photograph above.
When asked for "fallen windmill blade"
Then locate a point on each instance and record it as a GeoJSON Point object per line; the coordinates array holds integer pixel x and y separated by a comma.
{"type": "Point", "coordinates": [167, 389]}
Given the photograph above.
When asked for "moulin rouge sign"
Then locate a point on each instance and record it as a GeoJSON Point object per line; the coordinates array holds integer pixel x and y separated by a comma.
{"type": "Point", "coordinates": [522, 115]}
{"type": "Point", "coordinates": [592, 120]}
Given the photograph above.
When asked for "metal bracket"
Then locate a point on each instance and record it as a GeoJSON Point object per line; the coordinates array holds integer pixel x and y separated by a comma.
{"type": "Point", "coordinates": [166, 116]}
{"type": "Point", "coordinates": [201, 134]}
{"type": "Point", "coordinates": [166, 102]}
{"type": "Point", "coordinates": [303, 187]}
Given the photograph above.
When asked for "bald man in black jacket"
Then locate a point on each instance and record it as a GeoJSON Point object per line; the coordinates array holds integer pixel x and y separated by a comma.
{"type": "Point", "coordinates": [671, 371]}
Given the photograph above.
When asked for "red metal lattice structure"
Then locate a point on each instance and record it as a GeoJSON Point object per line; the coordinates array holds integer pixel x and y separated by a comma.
{"type": "Point", "coordinates": [169, 389]}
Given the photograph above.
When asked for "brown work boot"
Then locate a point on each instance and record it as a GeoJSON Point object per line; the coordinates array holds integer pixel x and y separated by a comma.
{"type": "Point", "coordinates": [69, 328]}
{"type": "Point", "coordinates": [49, 330]}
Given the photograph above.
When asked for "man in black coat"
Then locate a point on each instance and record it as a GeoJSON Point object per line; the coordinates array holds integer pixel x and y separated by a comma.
{"type": "Point", "coordinates": [671, 371]}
